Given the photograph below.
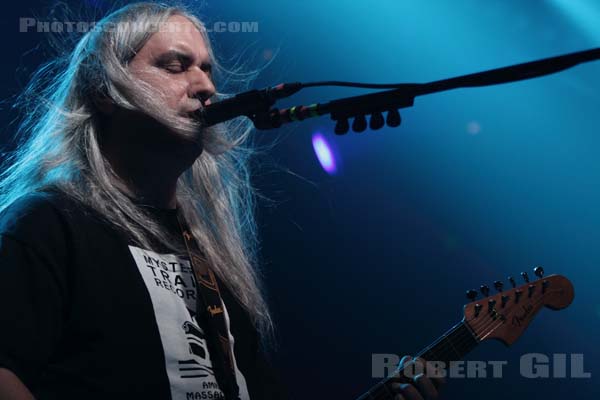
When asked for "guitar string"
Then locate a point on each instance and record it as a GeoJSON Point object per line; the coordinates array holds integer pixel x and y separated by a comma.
{"type": "Point", "coordinates": [384, 392]}
{"type": "Point", "coordinates": [387, 394]}
{"type": "Point", "coordinates": [473, 328]}
{"type": "Point", "coordinates": [534, 303]}
{"type": "Point", "coordinates": [461, 341]}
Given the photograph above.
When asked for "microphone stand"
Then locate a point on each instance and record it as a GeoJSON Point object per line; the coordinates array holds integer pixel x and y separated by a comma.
{"type": "Point", "coordinates": [257, 104]}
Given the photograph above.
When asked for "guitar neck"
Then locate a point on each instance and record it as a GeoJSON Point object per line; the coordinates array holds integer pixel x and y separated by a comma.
{"type": "Point", "coordinates": [451, 346]}
{"type": "Point", "coordinates": [506, 316]}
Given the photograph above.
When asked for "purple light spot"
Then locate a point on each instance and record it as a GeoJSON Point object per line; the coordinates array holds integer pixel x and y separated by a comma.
{"type": "Point", "coordinates": [324, 153]}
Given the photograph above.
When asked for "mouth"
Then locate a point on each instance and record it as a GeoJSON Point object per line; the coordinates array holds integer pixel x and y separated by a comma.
{"type": "Point", "coordinates": [191, 113]}
{"type": "Point", "coordinates": [192, 105]}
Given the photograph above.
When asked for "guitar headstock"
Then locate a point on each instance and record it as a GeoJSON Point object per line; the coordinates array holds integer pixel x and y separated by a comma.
{"type": "Point", "coordinates": [505, 315]}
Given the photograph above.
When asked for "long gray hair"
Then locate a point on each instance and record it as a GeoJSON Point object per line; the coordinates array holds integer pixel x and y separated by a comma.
{"type": "Point", "coordinates": [59, 147]}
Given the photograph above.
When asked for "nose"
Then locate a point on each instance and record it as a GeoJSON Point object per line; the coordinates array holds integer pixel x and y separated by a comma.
{"type": "Point", "coordinates": [201, 86]}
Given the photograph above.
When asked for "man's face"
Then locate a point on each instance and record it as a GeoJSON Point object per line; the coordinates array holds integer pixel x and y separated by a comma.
{"type": "Point", "coordinates": [176, 63]}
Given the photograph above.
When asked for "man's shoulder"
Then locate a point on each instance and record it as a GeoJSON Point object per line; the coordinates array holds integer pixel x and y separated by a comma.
{"type": "Point", "coordinates": [44, 211]}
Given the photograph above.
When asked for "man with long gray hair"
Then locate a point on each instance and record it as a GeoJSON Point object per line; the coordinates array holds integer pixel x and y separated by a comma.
{"type": "Point", "coordinates": [127, 235]}
{"type": "Point", "coordinates": [127, 230]}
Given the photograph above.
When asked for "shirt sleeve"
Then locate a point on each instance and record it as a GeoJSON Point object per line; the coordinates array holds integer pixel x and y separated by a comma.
{"type": "Point", "coordinates": [31, 309]}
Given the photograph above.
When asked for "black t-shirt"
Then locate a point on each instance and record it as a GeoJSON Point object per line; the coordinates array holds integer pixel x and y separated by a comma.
{"type": "Point", "coordinates": [84, 313]}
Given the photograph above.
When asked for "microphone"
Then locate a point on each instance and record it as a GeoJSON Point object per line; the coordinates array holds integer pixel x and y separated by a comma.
{"type": "Point", "coordinates": [247, 104]}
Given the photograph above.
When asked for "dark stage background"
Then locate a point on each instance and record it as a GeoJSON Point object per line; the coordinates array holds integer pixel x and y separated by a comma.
{"type": "Point", "coordinates": [476, 184]}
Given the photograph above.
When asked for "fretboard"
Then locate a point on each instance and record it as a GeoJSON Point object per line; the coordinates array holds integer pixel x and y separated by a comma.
{"type": "Point", "coordinates": [451, 346]}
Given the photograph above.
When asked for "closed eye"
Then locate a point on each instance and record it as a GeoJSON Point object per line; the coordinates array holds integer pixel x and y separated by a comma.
{"type": "Point", "coordinates": [177, 62]}
{"type": "Point", "coordinates": [175, 67]}
{"type": "Point", "coordinates": [174, 61]}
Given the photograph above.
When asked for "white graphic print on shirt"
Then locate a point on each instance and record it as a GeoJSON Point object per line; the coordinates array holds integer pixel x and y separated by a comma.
{"type": "Point", "coordinates": [172, 287]}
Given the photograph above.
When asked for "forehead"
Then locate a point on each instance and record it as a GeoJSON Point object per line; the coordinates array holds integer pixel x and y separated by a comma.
{"type": "Point", "coordinates": [178, 33]}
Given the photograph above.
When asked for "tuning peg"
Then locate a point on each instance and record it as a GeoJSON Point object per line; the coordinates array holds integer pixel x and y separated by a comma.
{"type": "Point", "coordinates": [471, 294]}
{"type": "Point", "coordinates": [545, 285]}
{"type": "Point", "coordinates": [376, 122]}
{"type": "Point", "coordinates": [498, 285]}
{"type": "Point", "coordinates": [341, 127]}
{"type": "Point", "coordinates": [512, 281]}
{"type": "Point", "coordinates": [393, 118]}
{"type": "Point", "coordinates": [518, 294]}
{"type": "Point", "coordinates": [485, 290]}
{"type": "Point", "coordinates": [525, 276]}
{"type": "Point", "coordinates": [491, 305]}
{"type": "Point", "coordinates": [539, 272]}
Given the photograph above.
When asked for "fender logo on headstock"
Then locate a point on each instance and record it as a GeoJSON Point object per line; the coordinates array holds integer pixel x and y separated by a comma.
{"type": "Point", "coordinates": [517, 320]}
